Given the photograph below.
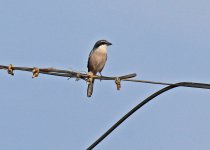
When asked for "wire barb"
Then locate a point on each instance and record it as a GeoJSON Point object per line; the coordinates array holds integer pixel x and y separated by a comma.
{"type": "Point", "coordinates": [118, 83]}
{"type": "Point", "coordinates": [35, 72]}
{"type": "Point", "coordinates": [78, 77]}
{"type": "Point", "coordinates": [10, 70]}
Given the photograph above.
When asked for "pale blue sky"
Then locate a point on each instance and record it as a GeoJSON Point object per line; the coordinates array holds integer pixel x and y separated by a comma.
{"type": "Point", "coordinates": [161, 40]}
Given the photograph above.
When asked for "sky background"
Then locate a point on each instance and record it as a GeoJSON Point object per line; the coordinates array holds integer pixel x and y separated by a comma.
{"type": "Point", "coordinates": [167, 41]}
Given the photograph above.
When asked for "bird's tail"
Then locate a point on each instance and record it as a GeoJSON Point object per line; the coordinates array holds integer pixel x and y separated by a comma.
{"type": "Point", "coordinates": [90, 88]}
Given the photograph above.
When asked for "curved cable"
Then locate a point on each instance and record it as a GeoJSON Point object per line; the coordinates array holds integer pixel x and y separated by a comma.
{"type": "Point", "coordinates": [142, 103]}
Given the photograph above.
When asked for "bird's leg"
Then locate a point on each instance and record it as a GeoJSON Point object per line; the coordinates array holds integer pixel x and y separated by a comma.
{"type": "Point", "coordinates": [100, 75]}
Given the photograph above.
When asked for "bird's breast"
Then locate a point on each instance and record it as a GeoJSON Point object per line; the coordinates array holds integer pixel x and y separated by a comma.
{"type": "Point", "coordinates": [100, 56]}
{"type": "Point", "coordinates": [101, 50]}
{"type": "Point", "coordinates": [98, 59]}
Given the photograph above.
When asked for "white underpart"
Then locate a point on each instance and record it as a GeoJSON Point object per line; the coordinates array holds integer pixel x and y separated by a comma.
{"type": "Point", "coordinates": [102, 49]}
{"type": "Point", "coordinates": [98, 57]}
{"type": "Point", "coordinates": [102, 52]}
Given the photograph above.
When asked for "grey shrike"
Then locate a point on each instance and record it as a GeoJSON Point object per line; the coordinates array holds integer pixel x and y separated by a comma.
{"type": "Point", "coordinates": [96, 62]}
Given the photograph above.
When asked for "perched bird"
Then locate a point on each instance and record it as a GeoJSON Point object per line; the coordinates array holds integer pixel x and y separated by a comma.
{"type": "Point", "coordinates": [96, 62]}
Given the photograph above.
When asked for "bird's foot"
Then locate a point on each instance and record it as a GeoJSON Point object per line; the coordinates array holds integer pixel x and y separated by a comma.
{"type": "Point", "coordinates": [89, 77]}
{"type": "Point", "coordinates": [101, 76]}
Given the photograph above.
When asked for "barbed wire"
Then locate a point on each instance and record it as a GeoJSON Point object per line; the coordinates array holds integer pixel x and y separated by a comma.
{"type": "Point", "coordinates": [79, 75]}
{"type": "Point", "coordinates": [74, 74]}
{"type": "Point", "coordinates": [84, 76]}
{"type": "Point", "coordinates": [65, 73]}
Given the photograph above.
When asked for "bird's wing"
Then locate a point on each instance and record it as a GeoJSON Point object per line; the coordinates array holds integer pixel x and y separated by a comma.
{"type": "Point", "coordinates": [91, 52]}
{"type": "Point", "coordinates": [103, 65]}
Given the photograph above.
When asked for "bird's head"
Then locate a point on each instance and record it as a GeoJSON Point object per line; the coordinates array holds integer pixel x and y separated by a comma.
{"type": "Point", "coordinates": [101, 42]}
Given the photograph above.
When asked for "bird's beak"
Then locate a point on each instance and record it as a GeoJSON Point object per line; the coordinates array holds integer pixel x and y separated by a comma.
{"type": "Point", "coordinates": [109, 43]}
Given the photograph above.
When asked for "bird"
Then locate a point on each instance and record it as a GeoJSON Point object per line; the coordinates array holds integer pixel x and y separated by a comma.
{"type": "Point", "coordinates": [96, 62]}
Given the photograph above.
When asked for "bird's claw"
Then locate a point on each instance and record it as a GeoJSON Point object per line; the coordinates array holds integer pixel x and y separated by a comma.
{"type": "Point", "coordinates": [89, 77]}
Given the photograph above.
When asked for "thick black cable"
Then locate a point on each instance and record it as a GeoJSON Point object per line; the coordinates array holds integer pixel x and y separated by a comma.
{"type": "Point", "coordinates": [142, 103]}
